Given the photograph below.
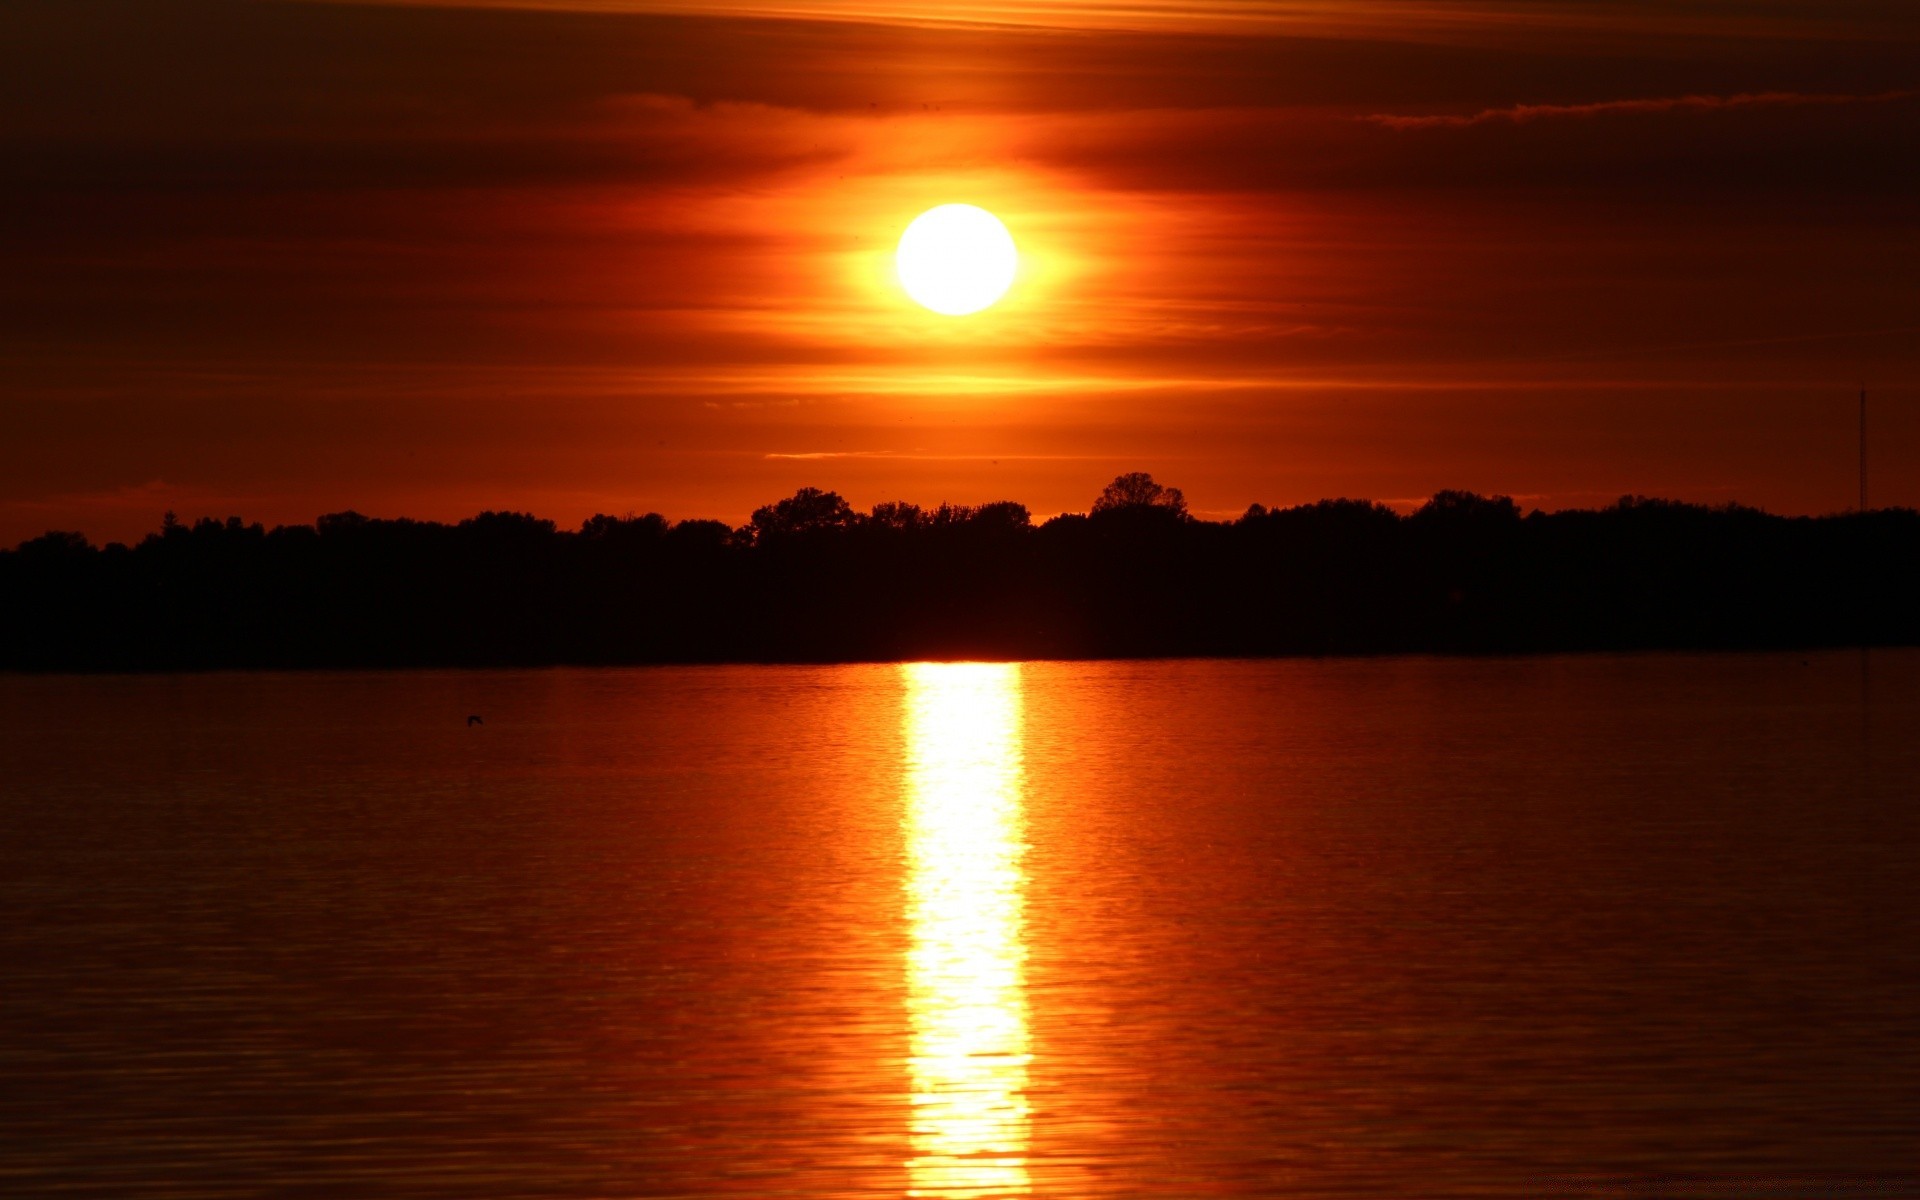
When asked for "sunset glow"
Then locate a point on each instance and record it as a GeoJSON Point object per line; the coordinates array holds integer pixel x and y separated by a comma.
{"type": "Point", "coordinates": [979, 600]}
{"type": "Point", "coordinates": [966, 969]}
{"type": "Point", "coordinates": [1270, 252]}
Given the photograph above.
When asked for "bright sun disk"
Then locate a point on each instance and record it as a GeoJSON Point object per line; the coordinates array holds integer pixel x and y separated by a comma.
{"type": "Point", "coordinates": [956, 259]}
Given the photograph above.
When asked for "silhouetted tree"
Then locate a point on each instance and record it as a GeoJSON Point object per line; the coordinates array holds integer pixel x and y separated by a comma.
{"type": "Point", "coordinates": [1003, 514]}
{"type": "Point", "coordinates": [508, 525]}
{"type": "Point", "coordinates": [710, 535]}
{"type": "Point", "coordinates": [55, 545]}
{"type": "Point", "coordinates": [806, 511]}
{"type": "Point", "coordinates": [1136, 490]}
{"type": "Point", "coordinates": [339, 523]}
{"type": "Point", "coordinates": [809, 579]}
{"type": "Point", "coordinates": [897, 514]}
{"type": "Point", "coordinates": [628, 529]}
{"type": "Point", "coordinates": [1463, 508]}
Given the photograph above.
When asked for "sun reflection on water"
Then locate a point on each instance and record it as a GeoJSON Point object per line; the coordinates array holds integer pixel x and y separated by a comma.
{"type": "Point", "coordinates": [966, 835]}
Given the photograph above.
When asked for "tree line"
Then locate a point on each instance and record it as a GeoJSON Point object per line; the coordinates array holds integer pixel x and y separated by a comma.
{"type": "Point", "coordinates": [810, 578]}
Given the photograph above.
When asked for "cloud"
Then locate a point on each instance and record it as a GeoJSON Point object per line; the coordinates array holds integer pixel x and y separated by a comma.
{"type": "Point", "coordinates": [1520, 114]}
{"type": "Point", "coordinates": [1401, 20]}
{"type": "Point", "coordinates": [916, 456]}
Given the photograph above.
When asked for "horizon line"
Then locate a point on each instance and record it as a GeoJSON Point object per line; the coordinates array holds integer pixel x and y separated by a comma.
{"type": "Point", "coordinates": [1400, 507]}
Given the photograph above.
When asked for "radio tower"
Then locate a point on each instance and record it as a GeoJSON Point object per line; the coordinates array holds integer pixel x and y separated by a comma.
{"type": "Point", "coordinates": [1863, 449]}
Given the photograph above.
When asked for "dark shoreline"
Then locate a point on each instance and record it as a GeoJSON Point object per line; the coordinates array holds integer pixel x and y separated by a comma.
{"type": "Point", "coordinates": [811, 581]}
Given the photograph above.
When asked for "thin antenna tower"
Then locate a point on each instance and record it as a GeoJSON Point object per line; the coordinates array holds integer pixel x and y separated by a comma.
{"type": "Point", "coordinates": [1863, 449]}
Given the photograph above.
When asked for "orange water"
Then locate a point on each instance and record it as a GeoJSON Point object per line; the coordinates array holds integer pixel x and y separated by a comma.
{"type": "Point", "coordinates": [1641, 925]}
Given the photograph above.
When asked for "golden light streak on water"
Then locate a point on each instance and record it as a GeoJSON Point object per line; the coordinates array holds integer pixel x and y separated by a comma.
{"type": "Point", "coordinates": [966, 835]}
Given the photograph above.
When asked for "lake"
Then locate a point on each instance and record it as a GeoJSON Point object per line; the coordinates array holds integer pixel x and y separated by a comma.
{"type": "Point", "coordinates": [1608, 925]}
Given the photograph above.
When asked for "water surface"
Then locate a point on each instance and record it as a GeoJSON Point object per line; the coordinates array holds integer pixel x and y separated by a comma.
{"type": "Point", "coordinates": [1400, 927]}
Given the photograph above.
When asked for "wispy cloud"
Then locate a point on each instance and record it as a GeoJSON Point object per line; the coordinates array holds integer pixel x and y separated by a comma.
{"type": "Point", "coordinates": [1520, 114]}
{"type": "Point", "coordinates": [916, 456]}
{"type": "Point", "coordinates": [153, 496]}
{"type": "Point", "coordinates": [1397, 19]}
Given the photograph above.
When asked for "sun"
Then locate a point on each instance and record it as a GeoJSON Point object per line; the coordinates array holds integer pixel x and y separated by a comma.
{"type": "Point", "coordinates": [956, 259]}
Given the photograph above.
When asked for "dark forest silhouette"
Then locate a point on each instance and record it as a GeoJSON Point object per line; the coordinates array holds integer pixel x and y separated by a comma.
{"type": "Point", "coordinates": [811, 579]}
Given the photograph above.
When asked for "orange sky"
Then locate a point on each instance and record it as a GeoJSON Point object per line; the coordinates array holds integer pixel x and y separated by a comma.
{"type": "Point", "coordinates": [278, 259]}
